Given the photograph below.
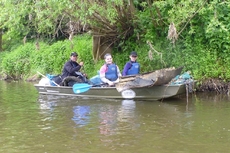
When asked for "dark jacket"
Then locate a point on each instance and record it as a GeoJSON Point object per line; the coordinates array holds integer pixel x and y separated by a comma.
{"type": "Point", "coordinates": [70, 68]}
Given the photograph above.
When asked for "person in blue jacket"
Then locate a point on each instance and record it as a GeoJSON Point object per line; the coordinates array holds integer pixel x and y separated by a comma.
{"type": "Point", "coordinates": [132, 67]}
{"type": "Point", "coordinates": [109, 72]}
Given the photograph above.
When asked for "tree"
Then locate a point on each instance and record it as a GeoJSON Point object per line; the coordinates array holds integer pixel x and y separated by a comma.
{"type": "Point", "coordinates": [109, 21]}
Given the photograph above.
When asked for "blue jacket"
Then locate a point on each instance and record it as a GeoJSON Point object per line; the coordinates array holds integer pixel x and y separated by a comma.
{"type": "Point", "coordinates": [131, 68]}
{"type": "Point", "coordinates": [134, 69]}
{"type": "Point", "coordinates": [111, 73]}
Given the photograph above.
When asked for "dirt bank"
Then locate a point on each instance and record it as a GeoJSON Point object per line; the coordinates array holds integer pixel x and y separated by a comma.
{"type": "Point", "coordinates": [216, 85]}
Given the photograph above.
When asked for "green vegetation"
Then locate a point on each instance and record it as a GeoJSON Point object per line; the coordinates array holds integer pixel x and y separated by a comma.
{"type": "Point", "coordinates": [194, 34]}
{"type": "Point", "coordinates": [26, 59]}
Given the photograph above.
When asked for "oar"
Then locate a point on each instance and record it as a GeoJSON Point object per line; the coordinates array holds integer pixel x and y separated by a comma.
{"type": "Point", "coordinates": [48, 78]}
{"type": "Point", "coordinates": [83, 87]}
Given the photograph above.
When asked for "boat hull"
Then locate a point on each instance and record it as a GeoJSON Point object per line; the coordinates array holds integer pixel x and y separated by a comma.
{"type": "Point", "coordinates": [148, 93]}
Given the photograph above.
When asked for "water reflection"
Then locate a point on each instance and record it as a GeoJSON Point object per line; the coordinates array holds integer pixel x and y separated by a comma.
{"type": "Point", "coordinates": [36, 123]}
{"type": "Point", "coordinates": [126, 112]}
{"type": "Point", "coordinates": [47, 105]}
{"type": "Point", "coordinates": [107, 119]}
{"type": "Point", "coordinates": [114, 125]}
{"type": "Point", "coordinates": [81, 115]}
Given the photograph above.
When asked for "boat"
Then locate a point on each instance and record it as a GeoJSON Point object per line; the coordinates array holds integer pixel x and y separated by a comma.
{"type": "Point", "coordinates": [160, 77]}
{"type": "Point", "coordinates": [143, 93]}
{"type": "Point", "coordinates": [154, 78]}
{"type": "Point", "coordinates": [148, 86]}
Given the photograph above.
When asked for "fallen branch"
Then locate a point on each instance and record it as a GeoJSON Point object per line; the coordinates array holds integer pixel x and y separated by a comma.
{"type": "Point", "coordinates": [158, 53]}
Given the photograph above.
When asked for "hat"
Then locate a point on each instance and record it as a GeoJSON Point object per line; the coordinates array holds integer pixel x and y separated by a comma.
{"type": "Point", "coordinates": [133, 53]}
{"type": "Point", "coordinates": [73, 54]}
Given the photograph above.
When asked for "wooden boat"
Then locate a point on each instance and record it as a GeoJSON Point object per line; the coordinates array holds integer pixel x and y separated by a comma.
{"type": "Point", "coordinates": [143, 93]}
{"type": "Point", "coordinates": [158, 77]}
{"type": "Point", "coordinates": [153, 85]}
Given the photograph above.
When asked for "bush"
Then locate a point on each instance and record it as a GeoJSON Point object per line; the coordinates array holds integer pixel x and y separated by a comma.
{"type": "Point", "coordinates": [26, 60]}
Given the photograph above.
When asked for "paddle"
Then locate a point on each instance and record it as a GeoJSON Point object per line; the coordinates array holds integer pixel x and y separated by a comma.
{"type": "Point", "coordinates": [83, 87]}
{"type": "Point", "coordinates": [47, 78]}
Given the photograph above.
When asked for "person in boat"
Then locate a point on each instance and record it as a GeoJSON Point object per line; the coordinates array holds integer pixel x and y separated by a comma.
{"type": "Point", "coordinates": [71, 72]}
{"type": "Point", "coordinates": [109, 72]}
{"type": "Point", "coordinates": [132, 67]}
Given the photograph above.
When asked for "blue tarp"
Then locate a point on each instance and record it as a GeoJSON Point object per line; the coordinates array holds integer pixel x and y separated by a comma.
{"type": "Point", "coordinates": [96, 80]}
{"type": "Point", "coordinates": [182, 79]}
{"type": "Point", "coordinates": [51, 77]}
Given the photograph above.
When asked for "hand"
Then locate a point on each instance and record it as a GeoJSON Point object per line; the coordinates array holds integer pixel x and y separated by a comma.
{"type": "Point", "coordinates": [85, 75]}
{"type": "Point", "coordinates": [116, 81]}
{"type": "Point", "coordinates": [110, 83]}
{"type": "Point", "coordinates": [81, 63]}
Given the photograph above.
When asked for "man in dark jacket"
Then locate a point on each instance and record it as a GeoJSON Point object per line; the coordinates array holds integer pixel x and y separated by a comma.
{"type": "Point", "coordinates": [71, 67]}
{"type": "Point", "coordinates": [70, 72]}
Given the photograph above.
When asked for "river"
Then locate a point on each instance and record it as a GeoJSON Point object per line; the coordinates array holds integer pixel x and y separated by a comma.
{"type": "Point", "coordinates": [49, 124]}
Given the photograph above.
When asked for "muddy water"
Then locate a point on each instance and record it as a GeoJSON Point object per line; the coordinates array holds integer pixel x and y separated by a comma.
{"type": "Point", "coordinates": [35, 123]}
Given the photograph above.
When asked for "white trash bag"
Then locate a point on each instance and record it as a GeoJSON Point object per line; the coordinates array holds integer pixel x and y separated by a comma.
{"type": "Point", "coordinates": [44, 82]}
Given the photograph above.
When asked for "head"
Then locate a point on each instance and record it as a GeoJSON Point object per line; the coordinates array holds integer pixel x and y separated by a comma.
{"type": "Point", "coordinates": [108, 58]}
{"type": "Point", "coordinates": [133, 56]}
{"type": "Point", "coordinates": [73, 56]}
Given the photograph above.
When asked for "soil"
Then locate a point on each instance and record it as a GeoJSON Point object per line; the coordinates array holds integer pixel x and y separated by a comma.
{"type": "Point", "coordinates": [217, 85]}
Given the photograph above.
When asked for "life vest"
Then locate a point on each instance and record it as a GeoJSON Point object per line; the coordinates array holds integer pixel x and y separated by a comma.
{"type": "Point", "coordinates": [111, 73]}
{"type": "Point", "coordinates": [135, 69]}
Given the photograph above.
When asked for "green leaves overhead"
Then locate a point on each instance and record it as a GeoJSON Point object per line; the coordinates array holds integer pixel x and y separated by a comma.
{"type": "Point", "coordinates": [49, 16]}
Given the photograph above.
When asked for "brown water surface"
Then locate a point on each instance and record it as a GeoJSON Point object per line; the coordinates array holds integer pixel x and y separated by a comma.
{"type": "Point", "coordinates": [49, 124]}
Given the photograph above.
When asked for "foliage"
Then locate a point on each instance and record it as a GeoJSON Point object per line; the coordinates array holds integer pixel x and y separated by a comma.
{"type": "Point", "coordinates": [34, 19]}
{"type": "Point", "coordinates": [16, 63]}
{"type": "Point", "coordinates": [49, 59]}
{"type": "Point", "coordinates": [202, 27]}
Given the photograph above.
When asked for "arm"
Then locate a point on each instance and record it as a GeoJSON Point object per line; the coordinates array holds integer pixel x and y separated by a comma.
{"type": "Point", "coordinates": [126, 68]}
{"type": "Point", "coordinates": [102, 74]}
{"type": "Point", "coordinates": [118, 74]}
{"type": "Point", "coordinates": [71, 69]}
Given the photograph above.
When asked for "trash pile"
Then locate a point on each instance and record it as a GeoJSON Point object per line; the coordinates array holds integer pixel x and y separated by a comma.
{"type": "Point", "coordinates": [184, 78]}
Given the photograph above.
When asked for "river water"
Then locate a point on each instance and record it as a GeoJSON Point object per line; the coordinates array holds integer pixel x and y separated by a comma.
{"type": "Point", "coordinates": [49, 124]}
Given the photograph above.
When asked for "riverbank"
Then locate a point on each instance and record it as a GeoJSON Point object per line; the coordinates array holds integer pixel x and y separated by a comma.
{"type": "Point", "coordinates": [216, 85]}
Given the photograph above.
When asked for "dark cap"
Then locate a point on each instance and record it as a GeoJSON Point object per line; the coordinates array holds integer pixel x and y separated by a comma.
{"type": "Point", "coordinates": [73, 54]}
{"type": "Point", "coordinates": [133, 53]}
